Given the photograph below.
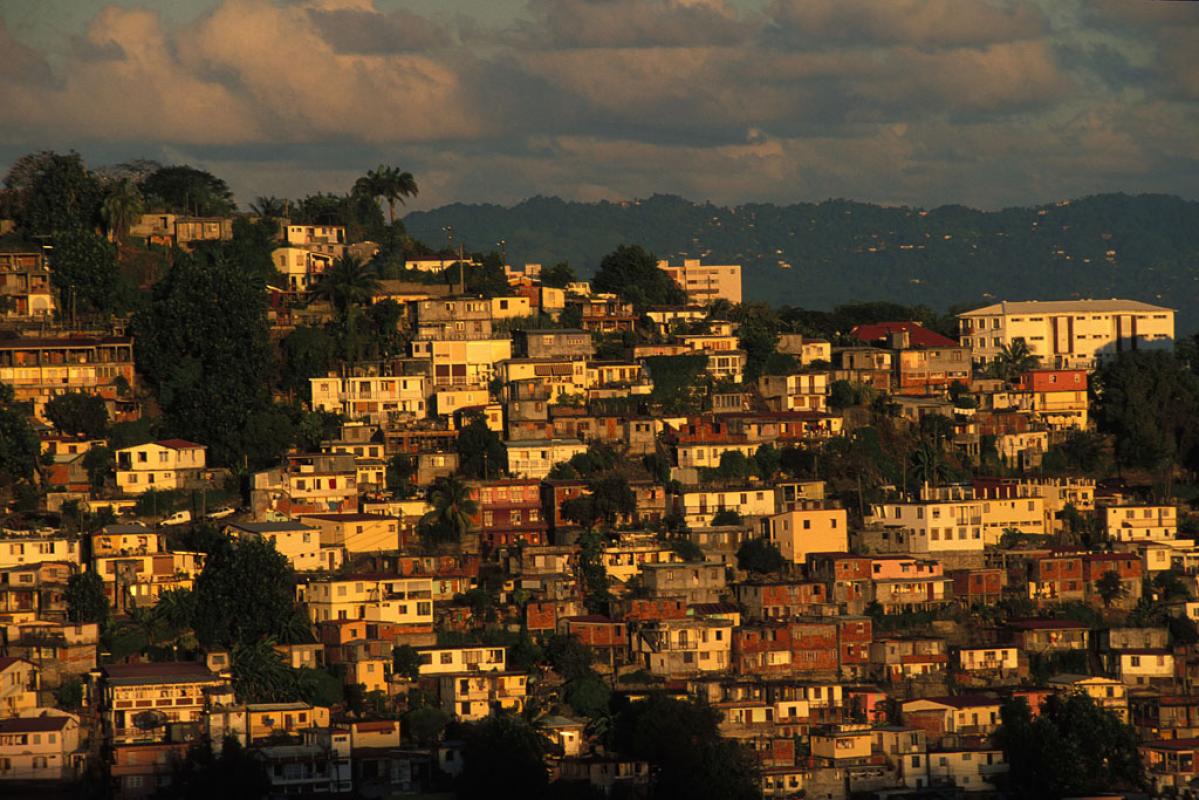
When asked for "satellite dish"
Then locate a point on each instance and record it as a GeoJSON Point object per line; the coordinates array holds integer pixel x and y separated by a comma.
{"type": "Point", "coordinates": [148, 720]}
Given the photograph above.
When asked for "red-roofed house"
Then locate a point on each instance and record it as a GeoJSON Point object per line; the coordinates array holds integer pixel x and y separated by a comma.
{"type": "Point", "coordinates": [926, 362]}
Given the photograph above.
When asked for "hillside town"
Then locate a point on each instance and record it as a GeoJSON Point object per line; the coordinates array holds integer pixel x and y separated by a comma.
{"type": "Point", "coordinates": [295, 504]}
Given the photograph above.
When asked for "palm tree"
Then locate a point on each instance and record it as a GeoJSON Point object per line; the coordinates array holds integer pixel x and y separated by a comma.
{"type": "Point", "coordinates": [122, 207]}
{"type": "Point", "coordinates": [929, 464]}
{"type": "Point", "coordinates": [390, 184]}
{"type": "Point", "coordinates": [269, 207]}
{"type": "Point", "coordinates": [1110, 588]}
{"type": "Point", "coordinates": [453, 509]}
{"type": "Point", "coordinates": [1014, 360]}
{"type": "Point", "coordinates": [347, 283]}
{"type": "Point", "coordinates": [260, 674]}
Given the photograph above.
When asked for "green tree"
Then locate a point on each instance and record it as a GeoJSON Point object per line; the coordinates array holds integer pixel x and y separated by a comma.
{"type": "Point", "coordinates": [758, 334]}
{"type": "Point", "coordinates": [767, 461]}
{"type": "Point", "coordinates": [86, 601]}
{"type": "Point", "coordinates": [187, 190]}
{"type": "Point", "coordinates": [244, 594]}
{"type": "Point", "coordinates": [406, 661]}
{"type": "Point", "coordinates": [19, 446]}
{"type": "Point", "coordinates": [481, 453]}
{"type": "Point", "coordinates": [202, 344]}
{"type": "Point", "coordinates": [98, 462]}
{"type": "Point", "coordinates": [1072, 748]}
{"type": "Point", "coordinates": [389, 183]}
{"type": "Point", "coordinates": [558, 276]}
{"type": "Point", "coordinates": [734, 467]}
{"type": "Point", "coordinates": [260, 675]}
{"type": "Point", "coordinates": [503, 750]}
{"type": "Point", "coordinates": [122, 208]}
{"type": "Point", "coordinates": [349, 282]}
{"type": "Point", "coordinates": [682, 739]}
{"type": "Point", "coordinates": [596, 592]}
{"type": "Point", "coordinates": [53, 192]}
{"type": "Point", "coordinates": [453, 510]}
{"type": "Point", "coordinates": [727, 516]}
{"type": "Point", "coordinates": [632, 273]}
{"type": "Point", "coordinates": [759, 555]}
{"type": "Point", "coordinates": [1013, 360]}
{"type": "Point", "coordinates": [841, 394]}
{"type": "Point", "coordinates": [84, 271]}
{"type": "Point", "coordinates": [1110, 588]}
{"type": "Point", "coordinates": [1150, 402]}
{"type": "Point", "coordinates": [203, 774]}
{"type": "Point", "coordinates": [78, 413]}
{"type": "Point", "coordinates": [308, 352]}
{"type": "Point", "coordinates": [424, 724]}
{"type": "Point", "coordinates": [400, 469]}
{"type": "Point", "coordinates": [588, 695]}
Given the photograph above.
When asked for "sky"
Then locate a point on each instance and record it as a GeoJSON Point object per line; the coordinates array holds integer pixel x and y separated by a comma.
{"type": "Point", "coordinates": [989, 103]}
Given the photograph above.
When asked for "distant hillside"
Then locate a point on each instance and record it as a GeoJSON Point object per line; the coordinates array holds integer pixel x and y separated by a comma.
{"type": "Point", "coordinates": [1144, 247]}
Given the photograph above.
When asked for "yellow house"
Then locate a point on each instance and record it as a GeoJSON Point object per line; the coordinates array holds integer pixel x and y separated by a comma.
{"type": "Point", "coordinates": [673, 648]}
{"type": "Point", "coordinates": [163, 466]}
{"type": "Point", "coordinates": [117, 539]}
{"type": "Point", "coordinates": [814, 530]}
{"type": "Point", "coordinates": [535, 458]}
{"type": "Point", "coordinates": [135, 701]}
{"type": "Point", "coordinates": [561, 376]}
{"type": "Point", "coordinates": [514, 307]}
{"type": "Point", "coordinates": [41, 748]}
{"type": "Point", "coordinates": [707, 455]}
{"type": "Point", "coordinates": [18, 551]}
{"type": "Point", "coordinates": [257, 722]}
{"type": "Point", "coordinates": [300, 267]}
{"type": "Point", "coordinates": [467, 658]}
{"type": "Point", "coordinates": [375, 598]}
{"type": "Point", "coordinates": [698, 507]}
{"type": "Point", "coordinates": [1107, 693]}
{"type": "Point", "coordinates": [356, 533]}
{"type": "Point", "coordinates": [19, 683]}
{"type": "Point", "coordinates": [299, 543]}
{"type": "Point", "coordinates": [371, 398]}
{"type": "Point", "coordinates": [140, 579]}
{"type": "Point", "coordinates": [840, 743]}
{"type": "Point", "coordinates": [475, 695]}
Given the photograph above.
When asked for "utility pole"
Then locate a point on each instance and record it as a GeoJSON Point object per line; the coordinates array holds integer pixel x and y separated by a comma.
{"type": "Point", "coordinates": [461, 270]}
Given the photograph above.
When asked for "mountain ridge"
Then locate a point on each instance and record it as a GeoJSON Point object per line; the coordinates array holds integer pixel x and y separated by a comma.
{"type": "Point", "coordinates": [1144, 247]}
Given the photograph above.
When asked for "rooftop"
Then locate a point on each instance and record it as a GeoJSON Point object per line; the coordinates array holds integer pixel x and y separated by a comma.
{"type": "Point", "coordinates": [1062, 307]}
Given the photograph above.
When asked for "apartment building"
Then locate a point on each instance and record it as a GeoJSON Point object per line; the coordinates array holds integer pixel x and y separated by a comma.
{"type": "Point", "coordinates": [438, 661]}
{"type": "Point", "coordinates": [137, 702]}
{"type": "Point", "coordinates": [370, 597]}
{"type": "Point", "coordinates": [374, 399]}
{"type": "Point", "coordinates": [699, 506]}
{"type": "Point", "coordinates": [20, 549]}
{"type": "Point", "coordinates": [1067, 333]}
{"type": "Point", "coordinates": [298, 542]}
{"type": "Point", "coordinates": [674, 648]}
{"type": "Point", "coordinates": [1138, 523]}
{"type": "Point", "coordinates": [40, 368]}
{"type": "Point", "coordinates": [802, 391]}
{"type": "Point", "coordinates": [704, 284]}
{"type": "Point", "coordinates": [25, 285]}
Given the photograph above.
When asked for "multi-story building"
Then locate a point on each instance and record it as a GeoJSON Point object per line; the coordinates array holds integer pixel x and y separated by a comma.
{"type": "Point", "coordinates": [42, 748]}
{"type": "Point", "coordinates": [19, 549]}
{"type": "Point", "coordinates": [371, 398]}
{"type": "Point", "coordinates": [370, 597]}
{"type": "Point", "coordinates": [535, 458]}
{"type": "Point", "coordinates": [697, 581]}
{"type": "Point", "coordinates": [1138, 523]}
{"type": "Point", "coordinates": [699, 506]}
{"type": "Point", "coordinates": [41, 368]}
{"type": "Point", "coordinates": [1055, 397]}
{"type": "Point", "coordinates": [356, 533]}
{"type": "Point", "coordinates": [1067, 333]}
{"type": "Point", "coordinates": [299, 543]}
{"type": "Point", "coordinates": [570, 343]}
{"type": "Point", "coordinates": [165, 465]}
{"type": "Point", "coordinates": [705, 283]}
{"type": "Point", "coordinates": [438, 661]}
{"type": "Point", "coordinates": [472, 696]}
{"type": "Point", "coordinates": [137, 702]}
{"type": "Point", "coordinates": [673, 648]}
{"type": "Point", "coordinates": [800, 391]}
{"type": "Point", "coordinates": [509, 513]}
{"type": "Point", "coordinates": [139, 580]}
{"type": "Point", "coordinates": [300, 268]}
{"type": "Point", "coordinates": [19, 684]}
{"type": "Point", "coordinates": [25, 286]}
{"type": "Point", "coordinates": [812, 530]}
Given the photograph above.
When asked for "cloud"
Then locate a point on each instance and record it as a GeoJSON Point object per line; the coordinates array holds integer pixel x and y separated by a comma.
{"type": "Point", "coordinates": [632, 23]}
{"type": "Point", "coordinates": [920, 23]}
{"type": "Point", "coordinates": [916, 101]}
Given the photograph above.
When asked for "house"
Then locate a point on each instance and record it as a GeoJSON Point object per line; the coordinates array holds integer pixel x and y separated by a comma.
{"type": "Point", "coordinates": [1067, 333]}
{"type": "Point", "coordinates": [806, 648]}
{"type": "Point", "coordinates": [1048, 635]}
{"type": "Point", "coordinates": [19, 684]}
{"type": "Point", "coordinates": [697, 581]}
{"type": "Point", "coordinates": [673, 648]}
{"type": "Point", "coordinates": [60, 649]}
{"type": "Point", "coordinates": [25, 286]}
{"type": "Point", "coordinates": [438, 661]}
{"type": "Point", "coordinates": [374, 399]}
{"type": "Point", "coordinates": [41, 748]}
{"type": "Point", "coordinates": [698, 506]}
{"type": "Point", "coordinates": [310, 482]}
{"type": "Point", "coordinates": [166, 465]}
{"type": "Point", "coordinates": [704, 284]}
{"type": "Point", "coordinates": [475, 695]}
{"type": "Point", "coordinates": [1138, 523]}
{"type": "Point", "coordinates": [370, 597]}
{"type": "Point", "coordinates": [925, 361]}
{"type": "Point", "coordinates": [969, 714]}
{"type": "Point", "coordinates": [801, 391]}
{"type": "Point", "coordinates": [1055, 397]}
{"type": "Point", "coordinates": [1171, 765]}
{"type": "Point", "coordinates": [19, 550]}
{"type": "Point", "coordinates": [1107, 693]}
{"type": "Point", "coordinates": [141, 579]}
{"type": "Point", "coordinates": [534, 459]}
{"type": "Point", "coordinates": [140, 702]}
{"type": "Point", "coordinates": [298, 542]}
{"type": "Point", "coordinates": [553, 343]}
{"type": "Point", "coordinates": [508, 513]}
{"type": "Point", "coordinates": [969, 769]}
{"type": "Point", "coordinates": [981, 659]}
{"type": "Point", "coordinates": [118, 539]}
{"type": "Point", "coordinates": [811, 530]}
{"type": "Point", "coordinates": [356, 533]}
{"type": "Point", "coordinates": [257, 723]}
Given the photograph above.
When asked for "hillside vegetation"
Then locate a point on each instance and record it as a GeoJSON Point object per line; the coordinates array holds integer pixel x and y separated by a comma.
{"type": "Point", "coordinates": [1115, 245]}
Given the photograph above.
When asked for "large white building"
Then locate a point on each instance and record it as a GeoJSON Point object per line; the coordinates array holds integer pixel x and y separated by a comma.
{"type": "Point", "coordinates": [1067, 333]}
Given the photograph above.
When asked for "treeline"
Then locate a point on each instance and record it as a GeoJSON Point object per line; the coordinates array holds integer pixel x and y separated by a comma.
{"type": "Point", "coordinates": [1144, 247]}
